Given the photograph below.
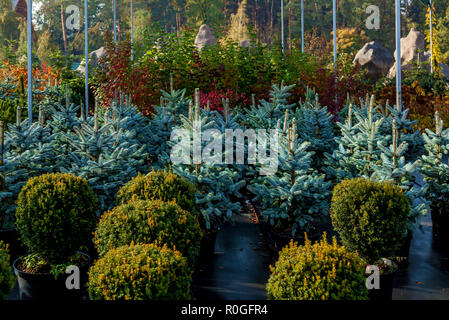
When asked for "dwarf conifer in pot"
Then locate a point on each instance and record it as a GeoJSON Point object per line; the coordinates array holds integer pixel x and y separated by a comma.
{"type": "Point", "coordinates": [436, 175]}
{"type": "Point", "coordinates": [55, 216]}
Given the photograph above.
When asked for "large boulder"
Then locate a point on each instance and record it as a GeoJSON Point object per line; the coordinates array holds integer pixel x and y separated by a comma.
{"type": "Point", "coordinates": [94, 57]}
{"type": "Point", "coordinates": [445, 70]}
{"type": "Point", "coordinates": [375, 58]}
{"type": "Point", "coordinates": [410, 48]}
{"type": "Point", "coordinates": [205, 37]}
{"type": "Point", "coordinates": [246, 44]}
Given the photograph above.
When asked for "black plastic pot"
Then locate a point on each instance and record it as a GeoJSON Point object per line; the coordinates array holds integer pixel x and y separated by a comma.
{"type": "Point", "coordinates": [279, 241]}
{"type": "Point", "coordinates": [207, 248]}
{"type": "Point", "coordinates": [11, 237]}
{"type": "Point", "coordinates": [385, 292]}
{"type": "Point", "coordinates": [440, 222]}
{"type": "Point", "coordinates": [404, 251]}
{"type": "Point", "coordinates": [46, 287]}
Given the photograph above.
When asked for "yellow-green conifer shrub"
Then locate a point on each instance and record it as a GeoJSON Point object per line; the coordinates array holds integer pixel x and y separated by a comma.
{"type": "Point", "coordinates": [140, 272]}
{"type": "Point", "coordinates": [370, 217]}
{"type": "Point", "coordinates": [321, 271]}
{"type": "Point", "coordinates": [55, 215]}
{"type": "Point", "coordinates": [147, 221]}
{"type": "Point", "coordinates": [161, 184]}
{"type": "Point", "coordinates": [7, 278]}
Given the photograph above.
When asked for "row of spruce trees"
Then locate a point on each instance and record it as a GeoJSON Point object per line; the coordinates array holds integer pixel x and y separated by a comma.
{"type": "Point", "coordinates": [316, 151]}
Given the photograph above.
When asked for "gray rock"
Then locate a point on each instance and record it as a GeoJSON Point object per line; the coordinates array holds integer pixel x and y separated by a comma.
{"type": "Point", "coordinates": [246, 44]}
{"type": "Point", "coordinates": [375, 58]}
{"type": "Point", "coordinates": [410, 47]}
{"type": "Point", "coordinates": [445, 70]}
{"type": "Point", "coordinates": [94, 57]}
{"type": "Point", "coordinates": [205, 37]}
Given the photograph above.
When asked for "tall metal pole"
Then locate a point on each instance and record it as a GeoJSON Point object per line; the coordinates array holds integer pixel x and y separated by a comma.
{"type": "Point", "coordinates": [132, 30]}
{"type": "Point", "coordinates": [86, 56]}
{"type": "Point", "coordinates": [431, 36]}
{"type": "Point", "coordinates": [334, 15]}
{"type": "Point", "coordinates": [282, 24]}
{"type": "Point", "coordinates": [398, 55]}
{"type": "Point", "coordinates": [115, 22]}
{"type": "Point", "coordinates": [30, 60]}
{"type": "Point", "coordinates": [302, 26]}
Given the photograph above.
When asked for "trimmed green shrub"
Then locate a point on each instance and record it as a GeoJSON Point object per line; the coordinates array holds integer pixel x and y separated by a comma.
{"type": "Point", "coordinates": [321, 271]}
{"type": "Point", "coordinates": [140, 272]}
{"type": "Point", "coordinates": [147, 221]}
{"type": "Point", "coordinates": [7, 278]}
{"type": "Point", "coordinates": [8, 111]}
{"type": "Point", "coordinates": [55, 215]}
{"type": "Point", "coordinates": [370, 217]}
{"type": "Point", "coordinates": [161, 184]}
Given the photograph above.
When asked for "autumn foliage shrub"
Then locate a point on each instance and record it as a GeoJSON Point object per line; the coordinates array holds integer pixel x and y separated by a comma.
{"type": "Point", "coordinates": [320, 271]}
{"type": "Point", "coordinates": [118, 73]}
{"type": "Point", "coordinates": [140, 272]}
{"type": "Point", "coordinates": [221, 71]}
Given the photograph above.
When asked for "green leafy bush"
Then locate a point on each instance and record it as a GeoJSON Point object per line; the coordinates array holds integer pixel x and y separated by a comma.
{"type": "Point", "coordinates": [147, 221]}
{"type": "Point", "coordinates": [321, 271]}
{"type": "Point", "coordinates": [140, 272]}
{"type": "Point", "coordinates": [7, 278]}
{"type": "Point", "coordinates": [370, 217]}
{"type": "Point", "coordinates": [7, 111]}
{"type": "Point", "coordinates": [163, 185]}
{"type": "Point", "coordinates": [55, 215]}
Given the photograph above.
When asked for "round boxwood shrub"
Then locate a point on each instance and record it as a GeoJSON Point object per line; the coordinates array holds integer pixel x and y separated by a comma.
{"type": "Point", "coordinates": [55, 215]}
{"type": "Point", "coordinates": [321, 271]}
{"type": "Point", "coordinates": [147, 221]}
{"type": "Point", "coordinates": [163, 185]}
{"type": "Point", "coordinates": [7, 278]}
{"type": "Point", "coordinates": [140, 272]}
{"type": "Point", "coordinates": [370, 217]}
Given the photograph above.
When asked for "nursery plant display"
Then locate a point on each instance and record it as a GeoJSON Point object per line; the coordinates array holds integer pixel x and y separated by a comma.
{"type": "Point", "coordinates": [123, 273]}
{"type": "Point", "coordinates": [216, 183]}
{"type": "Point", "coordinates": [370, 217]}
{"type": "Point", "coordinates": [25, 153]}
{"type": "Point", "coordinates": [316, 125]}
{"type": "Point", "coordinates": [187, 145]}
{"type": "Point", "coordinates": [436, 174]}
{"type": "Point", "coordinates": [55, 216]}
{"type": "Point", "coordinates": [267, 114]}
{"type": "Point", "coordinates": [295, 196]}
{"type": "Point", "coordinates": [357, 145]}
{"type": "Point", "coordinates": [319, 271]}
{"type": "Point", "coordinates": [106, 155]}
{"type": "Point", "coordinates": [6, 275]}
{"type": "Point", "coordinates": [148, 221]}
{"type": "Point", "coordinates": [165, 117]}
{"type": "Point", "coordinates": [162, 185]}
{"type": "Point", "coordinates": [367, 150]}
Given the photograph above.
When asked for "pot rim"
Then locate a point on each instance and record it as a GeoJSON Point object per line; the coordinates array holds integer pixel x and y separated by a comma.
{"type": "Point", "coordinates": [21, 273]}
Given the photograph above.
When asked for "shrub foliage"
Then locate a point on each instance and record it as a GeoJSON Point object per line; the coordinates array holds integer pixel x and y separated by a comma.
{"type": "Point", "coordinates": [147, 221]}
{"type": "Point", "coordinates": [140, 272]}
{"type": "Point", "coordinates": [55, 215]}
{"type": "Point", "coordinates": [370, 217]}
{"type": "Point", "coordinates": [163, 185]}
{"type": "Point", "coordinates": [321, 271]}
{"type": "Point", "coordinates": [7, 279]}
